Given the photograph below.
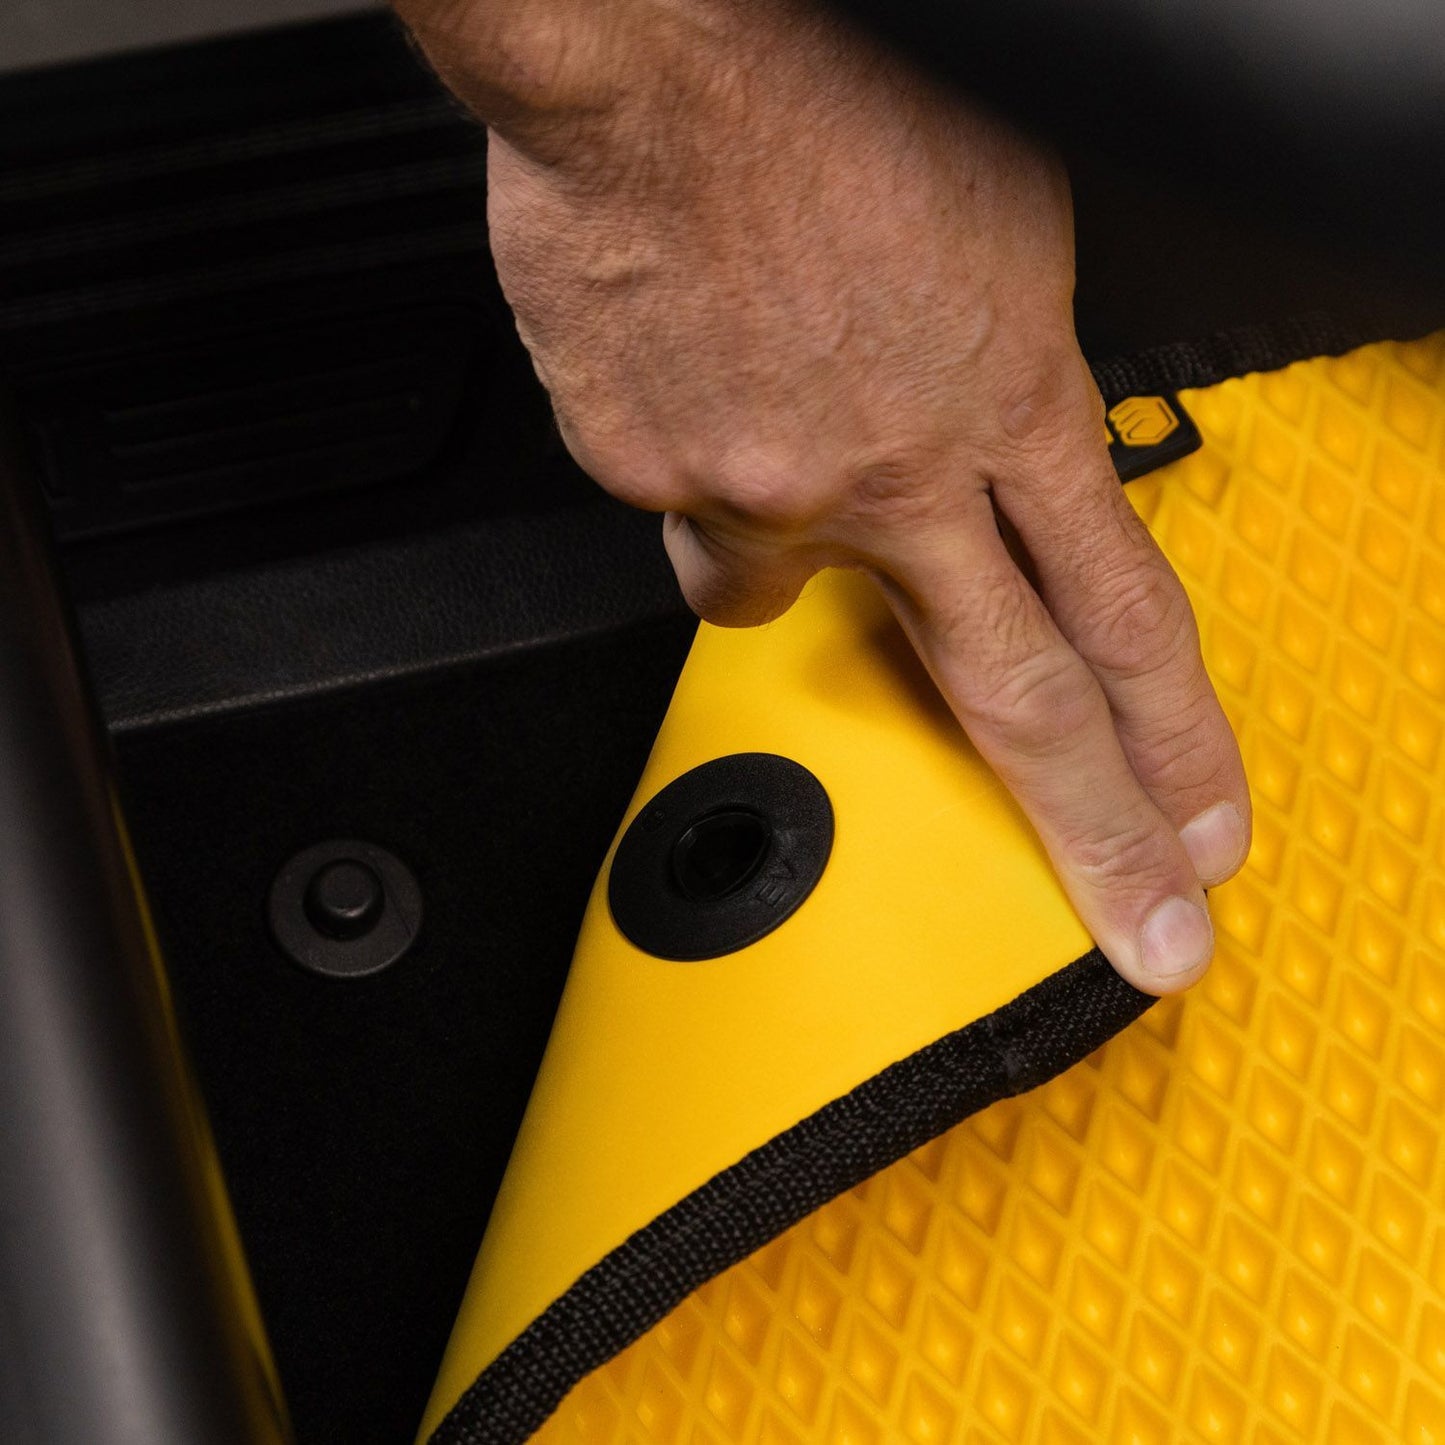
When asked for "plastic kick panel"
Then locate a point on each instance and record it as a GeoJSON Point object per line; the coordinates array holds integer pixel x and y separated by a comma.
{"type": "Point", "coordinates": [1229, 1224]}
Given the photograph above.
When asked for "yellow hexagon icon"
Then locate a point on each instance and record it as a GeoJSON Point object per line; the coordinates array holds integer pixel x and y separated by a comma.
{"type": "Point", "coordinates": [1143, 421]}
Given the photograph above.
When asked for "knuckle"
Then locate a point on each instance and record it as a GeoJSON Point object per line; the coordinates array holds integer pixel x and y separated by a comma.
{"type": "Point", "coordinates": [1038, 704]}
{"type": "Point", "coordinates": [1129, 856]}
{"type": "Point", "coordinates": [900, 487]}
{"type": "Point", "coordinates": [772, 504]}
{"type": "Point", "coordinates": [1018, 685]}
{"type": "Point", "coordinates": [1190, 756]}
{"type": "Point", "coordinates": [1191, 745]}
{"type": "Point", "coordinates": [1184, 756]}
{"type": "Point", "coordinates": [1045, 404]}
{"type": "Point", "coordinates": [1146, 623]}
{"type": "Point", "coordinates": [621, 468]}
{"type": "Point", "coordinates": [770, 493]}
{"type": "Point", "coordinates": [1029, 395]}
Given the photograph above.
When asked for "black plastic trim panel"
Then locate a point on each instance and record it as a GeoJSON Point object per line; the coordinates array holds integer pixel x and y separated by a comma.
{"type": "Point", "coordinates": [347, 618]}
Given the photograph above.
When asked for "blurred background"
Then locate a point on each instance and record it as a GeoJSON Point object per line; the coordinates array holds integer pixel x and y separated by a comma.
{"type": "Point", "coordinates": [47, 32]}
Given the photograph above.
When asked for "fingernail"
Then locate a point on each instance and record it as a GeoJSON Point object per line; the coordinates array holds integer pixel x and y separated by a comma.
{"type": "Point", "coordinates": [1215, 842]}
{"type": "Point", "coordinates": [1176, 938]}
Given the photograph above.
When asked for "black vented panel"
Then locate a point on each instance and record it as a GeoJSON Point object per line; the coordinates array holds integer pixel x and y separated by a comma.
{"type": "Point", "coordinates": [163, 222]}
{"type": "Point", "coordinates": [254, 274]}
{"type": "Point", "coordinates": [232, 421]}
{"type": "Point", "coordinates": [320, 152]}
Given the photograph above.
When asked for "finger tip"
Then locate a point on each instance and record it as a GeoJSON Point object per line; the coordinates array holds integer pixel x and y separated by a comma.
{"type": "Point", "coordinates": [1163, 985]}
{"type": "Point", "coordinates": [1173, 951]}
{"type": "Point", "coordinates": [1217, 842]}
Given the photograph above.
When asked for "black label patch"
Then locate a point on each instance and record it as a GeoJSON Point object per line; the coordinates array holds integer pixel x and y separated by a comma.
{"type": "Point", "coordinates": [1146, 432]}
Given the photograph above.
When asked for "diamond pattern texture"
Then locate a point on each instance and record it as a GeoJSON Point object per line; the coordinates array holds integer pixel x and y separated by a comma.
{"type": "Point", "coordinates": [1229, 1224]}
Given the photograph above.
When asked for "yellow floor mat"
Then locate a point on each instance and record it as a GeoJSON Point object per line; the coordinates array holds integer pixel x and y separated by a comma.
{"type": "Point", "coordinates": [1229, 1224]}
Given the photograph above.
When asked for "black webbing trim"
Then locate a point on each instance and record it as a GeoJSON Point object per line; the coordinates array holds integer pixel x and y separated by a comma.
{"type": "Point", "coordinates": [1028, 1041]}
{"type": "Point", "coordinates": [1179, 365]}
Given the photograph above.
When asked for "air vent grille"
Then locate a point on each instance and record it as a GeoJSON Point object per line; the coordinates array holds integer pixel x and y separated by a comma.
{"type": "Point", "coordinates": [245, 419]}
{"type": "Point", "coordinates": [237, 274]}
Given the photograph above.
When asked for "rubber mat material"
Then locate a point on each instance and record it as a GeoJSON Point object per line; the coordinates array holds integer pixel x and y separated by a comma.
{"type": "Point", "coordinates": [1229, 1223]}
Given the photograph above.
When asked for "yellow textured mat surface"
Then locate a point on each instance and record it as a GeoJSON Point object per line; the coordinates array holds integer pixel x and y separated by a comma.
{"type": "Point", "coordinates": [1229, 1224]}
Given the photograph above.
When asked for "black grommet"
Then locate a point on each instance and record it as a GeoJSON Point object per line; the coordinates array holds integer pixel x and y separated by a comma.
{"type": "Point", "coordinates": [721, 853]}
{"type": "Point", "coordinates": [344, 908]}
{"type": "Point", "coordinates": [720, 857]}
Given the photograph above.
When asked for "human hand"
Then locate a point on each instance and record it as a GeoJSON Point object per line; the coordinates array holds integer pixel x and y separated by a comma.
{"type": "Point", "coordinates": [782, 288]}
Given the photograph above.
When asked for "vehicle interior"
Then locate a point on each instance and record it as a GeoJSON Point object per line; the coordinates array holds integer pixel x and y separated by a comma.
{"type": "Point", "coordinates": [292, 557]}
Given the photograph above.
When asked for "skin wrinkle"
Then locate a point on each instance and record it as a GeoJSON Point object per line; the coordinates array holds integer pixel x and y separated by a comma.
{"type": "Point", "coordinates": [1181, 751]}
{"type": "Point", "coordinates": [779, 282]}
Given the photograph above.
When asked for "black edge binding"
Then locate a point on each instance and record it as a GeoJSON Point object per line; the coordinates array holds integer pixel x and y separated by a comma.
{"type": "Point", "coordinates": [1028, 1041]}
{"type": "Point", "coordinates": [126, 1316]}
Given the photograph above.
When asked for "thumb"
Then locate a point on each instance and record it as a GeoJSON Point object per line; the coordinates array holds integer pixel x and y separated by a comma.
{"type": "Point", "coordinates": [732, 582]}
